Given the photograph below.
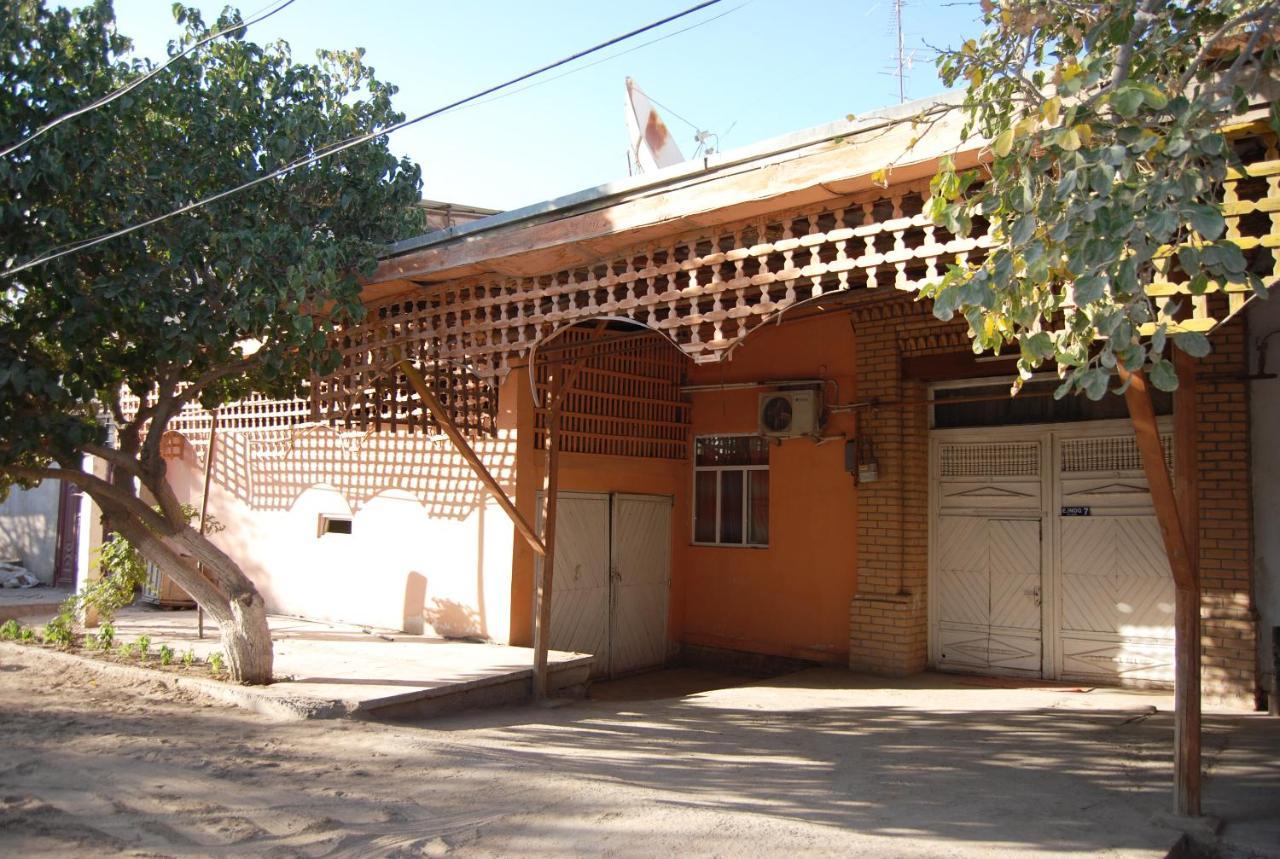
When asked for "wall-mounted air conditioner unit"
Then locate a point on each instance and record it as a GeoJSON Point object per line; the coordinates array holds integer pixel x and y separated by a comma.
{"type": "Point", "coordinates": [789, 414]}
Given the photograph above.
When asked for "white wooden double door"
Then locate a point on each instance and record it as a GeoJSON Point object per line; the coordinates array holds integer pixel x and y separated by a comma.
{"type": "Point", "coordinates": [611, 580]}
{"type": "Point", "coordinates": [1046, 557]}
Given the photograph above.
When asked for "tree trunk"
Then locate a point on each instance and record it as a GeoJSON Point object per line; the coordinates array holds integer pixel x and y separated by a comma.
{"type": "Point", "coordinates": [246, 639]}
{"type": "Point", "coordinates": [222, 590]}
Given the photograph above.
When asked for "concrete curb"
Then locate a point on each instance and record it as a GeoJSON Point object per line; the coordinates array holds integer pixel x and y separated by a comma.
{"type": "Point", "coordinates": [248, 697]}
{"type": "Point", "coordinates": [276, 702]}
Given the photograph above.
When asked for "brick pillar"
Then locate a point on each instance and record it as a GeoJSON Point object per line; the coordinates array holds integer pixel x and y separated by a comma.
{"type": "Point", "coordinates": [1228, 621]}
{"type": "Point", "coordinates": [887, 618]}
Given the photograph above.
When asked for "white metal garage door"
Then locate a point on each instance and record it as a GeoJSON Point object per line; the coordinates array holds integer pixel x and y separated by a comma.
{"type": "Point", "coordinates": [1116, 615]}
{"type": "Point", "coordinates": [641, 577]}
{"type": "Point", "coordinates": [989, 583]}
{"type": "Point", "coordinates": [580, 591]}
{"type": "Point", "coordinates": [612, 579]}
{"type": "Point", "coordinates": [1046, 558]}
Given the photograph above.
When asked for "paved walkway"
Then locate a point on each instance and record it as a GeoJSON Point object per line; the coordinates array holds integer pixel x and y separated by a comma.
{"type": "Point", "coordinates": [327, 670]}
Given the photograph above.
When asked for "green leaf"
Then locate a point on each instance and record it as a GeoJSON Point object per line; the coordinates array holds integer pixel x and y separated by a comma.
{"type": "Point", "coordinates": [1206, 220]}
{"type": "Point", "coordinates": [1089, 289]}
{"type": "Point", "coordinates": [1023, 229]}
{"type": "Point", "coordinates": [1003, 143]}
{"type": "Point", "coordinates": [1127, 101]}
{"type": "Point", "coordinates": [1095, 383]}
{"type": "Point", "coordinates": [1151, 94]}
{"type": "Point", "coordinates": [1193, 343]}
{"type": "Point", "coordinates": [1163, 376]}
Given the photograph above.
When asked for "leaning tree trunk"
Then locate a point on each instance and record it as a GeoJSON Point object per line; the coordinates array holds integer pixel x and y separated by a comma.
{"type": "Point", "coordinates": [221, 589]}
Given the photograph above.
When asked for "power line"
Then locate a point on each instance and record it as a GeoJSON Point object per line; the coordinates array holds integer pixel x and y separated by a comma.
{"type": "Point", "coordinates": [138, 81]}
{"type": "Point", "coordinates": [612, 57]}
{"type": "Point", "coordinates": [341, 146]}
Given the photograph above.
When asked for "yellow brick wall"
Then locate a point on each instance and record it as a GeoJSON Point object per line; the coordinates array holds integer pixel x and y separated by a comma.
{"type": "Point", "coordinates": [888, 618]}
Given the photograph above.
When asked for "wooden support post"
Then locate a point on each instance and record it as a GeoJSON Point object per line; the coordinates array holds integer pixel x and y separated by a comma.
{"type": "Point", "coordinates": [1174, 525]}
{"type": "Point", "coordinates": [561, 379]}
{"type": "Point", "coordinates": [446, 423]}
{"type": "Point", "coordinates": [1187, 657]}
{"type": "Point", "coordinates": [542, 593]}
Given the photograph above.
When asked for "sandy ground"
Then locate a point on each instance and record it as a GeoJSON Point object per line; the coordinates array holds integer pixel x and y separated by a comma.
{"type": "Point", "coordinates": [816, 763]}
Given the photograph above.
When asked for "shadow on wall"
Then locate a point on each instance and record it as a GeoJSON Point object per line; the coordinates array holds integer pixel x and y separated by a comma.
{"type": "Point", "coordinates": [267, 473]}
{"type": "Point", "coordinates": [448, 618]}
{"type": "Point", "coordinates": [452, 619]}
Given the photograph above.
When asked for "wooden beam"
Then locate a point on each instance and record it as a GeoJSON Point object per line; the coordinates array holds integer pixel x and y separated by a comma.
{"type": "Point", "coordinates": [473, 460]}
{"type": "Point", "coordinates": [561, 381]}
{"type": "Point", "coordinates": [1174, 525]}
{"type": "Point", "coordinates": [1143, 415]}
{"type": "Point", "coordinates": [204, 504]}
{"type": "Point", "coordinates": [1186, 707]}
{"type": "Point", "coordinates": [546, 577]}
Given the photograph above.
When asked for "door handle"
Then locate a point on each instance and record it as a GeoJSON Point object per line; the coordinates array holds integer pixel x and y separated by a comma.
{"type": "Point", "coordinates": [1034, 593]}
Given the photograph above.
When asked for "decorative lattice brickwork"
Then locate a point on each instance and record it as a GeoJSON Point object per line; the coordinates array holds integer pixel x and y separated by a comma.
{"type": "Point", "coordinates": [704, 291]}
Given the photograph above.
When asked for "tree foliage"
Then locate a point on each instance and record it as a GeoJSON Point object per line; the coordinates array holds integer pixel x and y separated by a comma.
{"type": "Point", "coordinates": [166, 313]}
{"type": "Point", "coordinates": [1107, 156]}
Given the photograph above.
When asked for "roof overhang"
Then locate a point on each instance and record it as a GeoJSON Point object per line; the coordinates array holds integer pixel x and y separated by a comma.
{"type": "Point", "coordinates": [827, 162]}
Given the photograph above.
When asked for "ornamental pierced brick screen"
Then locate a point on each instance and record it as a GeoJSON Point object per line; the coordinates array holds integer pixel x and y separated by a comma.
{"type": "Point", "coordinates": [369, 392]}
{"type": "Point", "coordinates": [707, 291]}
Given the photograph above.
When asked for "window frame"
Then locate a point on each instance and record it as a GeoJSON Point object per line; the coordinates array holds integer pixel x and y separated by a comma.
{"type": "Point", "coordinates": [746, 488]}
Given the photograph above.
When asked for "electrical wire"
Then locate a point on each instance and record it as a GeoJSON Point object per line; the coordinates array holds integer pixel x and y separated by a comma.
{"type": "Point", "coordinates": [612, 57]}
{"type": "Point", "coordinates": [140, 80]}
{"type": "Point", "coordinates": [341, 146]}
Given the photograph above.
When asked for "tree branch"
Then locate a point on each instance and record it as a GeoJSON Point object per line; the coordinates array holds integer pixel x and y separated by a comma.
{"type": "Point", "coordinates": [1124, 57]}
{"type": "Point", "coordinates": [217, 374]}
{"type": "Point", "coordinates": [113, 456]}
{"type": "Point", "coordinates": [1265, 11]}
{"type": "Point", "coordinates": [99, 489]}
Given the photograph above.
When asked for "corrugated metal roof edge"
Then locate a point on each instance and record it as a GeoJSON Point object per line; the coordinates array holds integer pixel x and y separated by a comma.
{"type": "Point", "coordinates": [671, 177]}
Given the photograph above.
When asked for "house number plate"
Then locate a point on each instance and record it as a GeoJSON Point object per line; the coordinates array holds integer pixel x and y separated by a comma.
{"type": "Point", "coordinates": [1076, 511]}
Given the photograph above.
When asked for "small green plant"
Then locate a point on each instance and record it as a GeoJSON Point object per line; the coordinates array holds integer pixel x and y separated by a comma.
{"type": "Point", "coordinates": [58, 633]}
{"type": "Point", "coordinates": [124, 651]}
{"type": "Point", "coordinates": [26, 634]}
{"type": "Point", "coordinates": [166, 654]}
{"type": "Point", "coordinates": [123, 572]}
{"type": "Point", "coordinates": [188, 658]}
{"type": "Point", "coordinates": [9, 630]}
{"type": "Point", "coordinates": [214, 661]}
{"type": "Point", "coordinates": [144, 646]}
{"type": "Point", "coordinates": [106, 636]}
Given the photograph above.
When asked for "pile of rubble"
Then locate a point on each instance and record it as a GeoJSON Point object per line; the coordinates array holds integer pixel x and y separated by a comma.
{"type": "Point", "coordinates": [14, 575]}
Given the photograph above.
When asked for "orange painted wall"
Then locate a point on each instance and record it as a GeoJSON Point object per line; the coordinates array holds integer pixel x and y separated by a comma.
{"type": "Point", "coordinates": [587, 473]}
{"type": "Point", "coordinates": [792, 598]}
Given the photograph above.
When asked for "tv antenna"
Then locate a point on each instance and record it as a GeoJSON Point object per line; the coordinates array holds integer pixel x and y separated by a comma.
{"type": "Point", "coordinates": [903, 58]}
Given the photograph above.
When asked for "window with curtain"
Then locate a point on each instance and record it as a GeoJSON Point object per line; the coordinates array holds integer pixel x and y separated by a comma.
{"type": "Point", "coordinates": [731, 490]}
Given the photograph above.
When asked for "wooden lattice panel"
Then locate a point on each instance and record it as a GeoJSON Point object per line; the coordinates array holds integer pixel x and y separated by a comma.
{"type": "Point", "coordinates": [256, 416]}
{"type": "Point", "coordinates": [621, 401]}
{"type": "Point", "coordinates": [363, 394]}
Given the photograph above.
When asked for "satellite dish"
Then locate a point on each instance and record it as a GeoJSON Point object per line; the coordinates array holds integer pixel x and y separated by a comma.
{"type": "Point", "coordinates": [651, 145]}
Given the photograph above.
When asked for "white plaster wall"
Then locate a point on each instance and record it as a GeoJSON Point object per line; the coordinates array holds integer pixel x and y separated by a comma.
{"type": "Point", "coordinates": [400, 568]}
{"type": "Point", "coordinates": [1264, 406]}
{"type": "Point", "coordinates": [29, 528]}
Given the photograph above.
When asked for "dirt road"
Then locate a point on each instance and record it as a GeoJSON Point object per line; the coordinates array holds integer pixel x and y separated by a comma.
{"type": "Point", "coordinates": [807, 765]}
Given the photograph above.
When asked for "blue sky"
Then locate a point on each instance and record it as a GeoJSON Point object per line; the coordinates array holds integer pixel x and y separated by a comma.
{"type": "Point", "coordinates": [765, 69]}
